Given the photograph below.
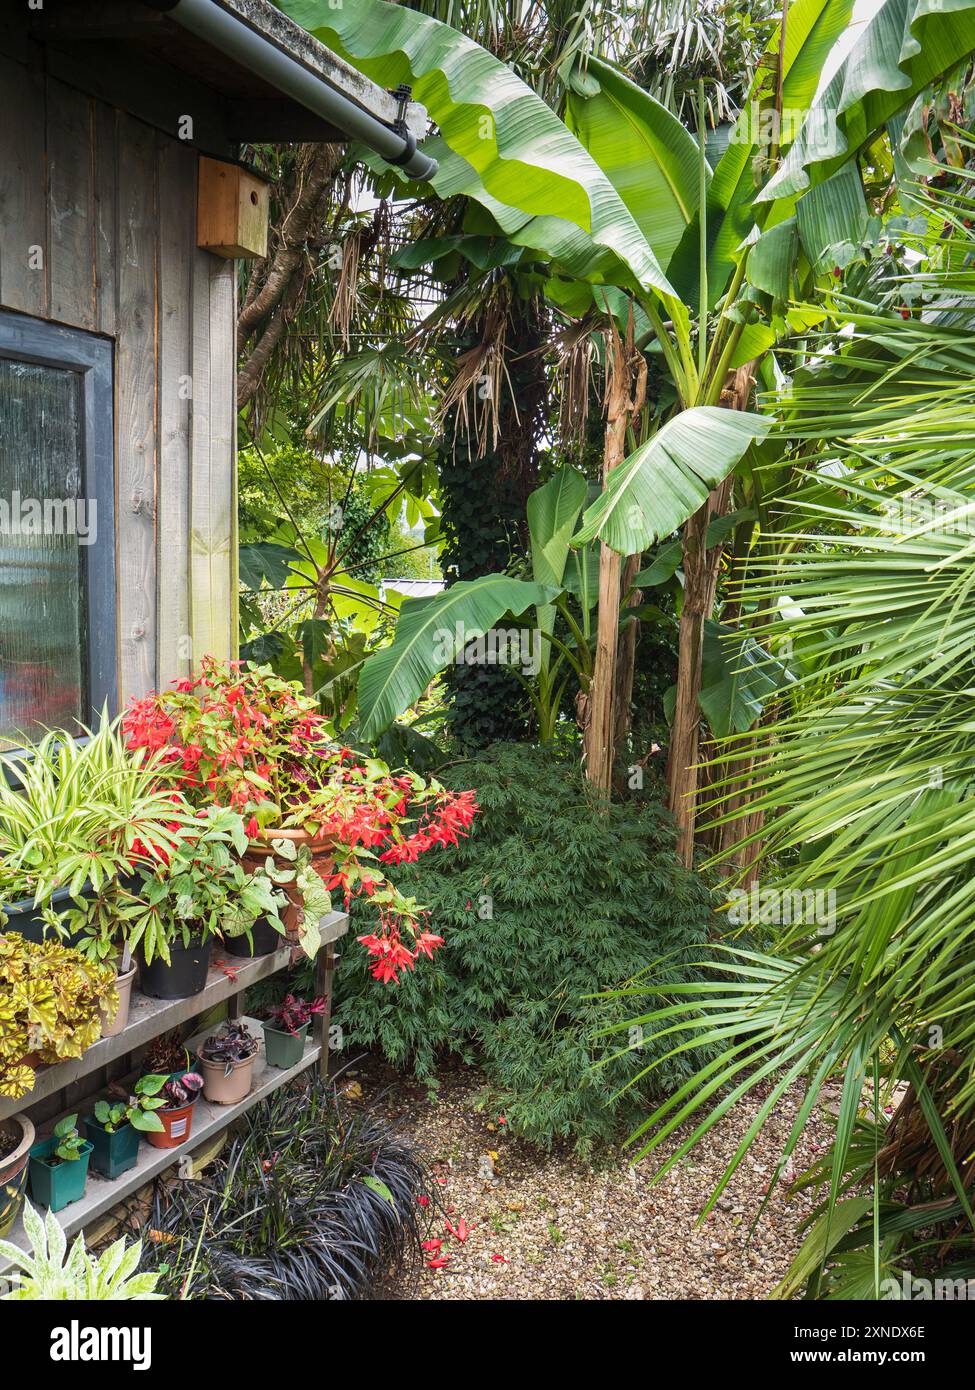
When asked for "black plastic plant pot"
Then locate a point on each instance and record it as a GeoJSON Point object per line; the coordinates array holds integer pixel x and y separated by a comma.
{"type": "Point", "coordinates": [283, 1049]}
{"type": "Point", "coordinates": [25, 918]}
{"type": "Point", "coordinates": [184, 976]}
{"type": "Point", "coordinates": [266, 940]}
{"type": "Point", "coordinates": [115, 1153]}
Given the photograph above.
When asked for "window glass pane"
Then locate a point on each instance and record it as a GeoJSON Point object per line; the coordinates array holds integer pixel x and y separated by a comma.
{"type": "Point", "coordinates": [41, 555]}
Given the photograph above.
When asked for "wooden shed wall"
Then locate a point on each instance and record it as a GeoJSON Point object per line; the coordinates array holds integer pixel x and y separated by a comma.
{"type": "Point", "coordinates": [111, 203]}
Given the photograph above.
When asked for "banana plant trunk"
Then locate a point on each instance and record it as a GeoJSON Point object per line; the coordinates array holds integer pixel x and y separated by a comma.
{"type": "Point", "coordinates": [625, 394]}
{"type": "Point", "coordinates": [626, 655]}
{"type": "Point", "coordinates": [702, 566]}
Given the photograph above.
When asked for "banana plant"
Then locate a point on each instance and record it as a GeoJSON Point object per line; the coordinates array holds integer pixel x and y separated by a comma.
{"type": "Point", "coordinates": [435, 631]}
{"type": "Point", "coordinates": [577, 193]}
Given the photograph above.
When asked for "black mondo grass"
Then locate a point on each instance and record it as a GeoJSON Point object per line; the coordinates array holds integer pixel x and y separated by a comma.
{"type": "Point", "coordinates": [310, 1202]}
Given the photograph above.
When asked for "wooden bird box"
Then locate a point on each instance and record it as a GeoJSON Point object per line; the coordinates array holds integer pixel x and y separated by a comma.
{"type": "Point", "coordinates": [232, 211]}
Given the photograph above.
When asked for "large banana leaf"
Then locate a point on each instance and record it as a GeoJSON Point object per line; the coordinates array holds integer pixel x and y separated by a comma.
{"type": "Point", "coordinates": [664, 481]}
{"type": "Point", "coordinates": [430, 634]}
{"type": "Point", "coordinates": [908, 45]}
{"type": "Point", "coordinates": [650, 158]}
{"type": "Point", "coordinates": [812, 28]}
{"type": "Point", "coordinates": [506, 143]}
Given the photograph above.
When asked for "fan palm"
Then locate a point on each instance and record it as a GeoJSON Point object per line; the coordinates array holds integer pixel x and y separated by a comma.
{"type": "Point", "coordinates": [867, 786]}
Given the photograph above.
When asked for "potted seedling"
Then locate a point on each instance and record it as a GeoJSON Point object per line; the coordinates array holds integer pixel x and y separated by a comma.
{"type": "Point", "coordinates": [59, 1166]}
{"type": "Point", "coordinates": [179, 1095]}
{"type": "Point", "coordinates": [227, 1061]}
{"type": "Point", "coordinates": [201, 892]}
{"type": "Point", "coordinates": [287, 1028]}
{"type": "Point", "coordinates": [167, 1054]}
{"type": "Point", "coordinates": [115, 1127]}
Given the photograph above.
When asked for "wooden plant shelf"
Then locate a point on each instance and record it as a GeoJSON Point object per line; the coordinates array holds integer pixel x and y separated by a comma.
{"type": "Point", "coordinates": [148, 1018]}
{"type": "Point", "coordinates": [102, 1194]}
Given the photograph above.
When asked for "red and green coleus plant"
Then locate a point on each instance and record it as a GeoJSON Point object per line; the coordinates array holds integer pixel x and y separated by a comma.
{"type": "Point", "coordinates": [294, 1013]}
{"type": "Point", "coordinates": [239, 736]}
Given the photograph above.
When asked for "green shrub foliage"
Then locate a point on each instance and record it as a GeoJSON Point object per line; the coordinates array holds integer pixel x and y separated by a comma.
{"type": "Point", "coordinates": [550, 900]}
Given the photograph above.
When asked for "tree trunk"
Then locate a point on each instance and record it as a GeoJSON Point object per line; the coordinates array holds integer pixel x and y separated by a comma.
{"type": "Point", "coordinates": [626, 656]}
{"type": "Point", "coordinates": [626, 380]}
{"type": "Point", "coordinates": [701, 570]}
{"type": "Point", "coordinates": [278, 285]}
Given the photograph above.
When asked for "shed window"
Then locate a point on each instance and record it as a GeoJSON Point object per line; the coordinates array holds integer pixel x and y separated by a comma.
{"type": "Point", "coordinates": [57, 534]}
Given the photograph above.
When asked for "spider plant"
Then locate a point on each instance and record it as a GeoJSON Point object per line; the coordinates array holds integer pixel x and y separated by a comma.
{"type": "Point", "coordinates": [76, 813]}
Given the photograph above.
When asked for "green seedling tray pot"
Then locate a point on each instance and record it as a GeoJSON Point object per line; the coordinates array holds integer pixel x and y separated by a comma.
{"type": "Point", "coordinates": [112, 1154]}
{"type": "Point", "coordinates": [57, 1185]}
{"type": "Point", "coordinates": [283, 1049]}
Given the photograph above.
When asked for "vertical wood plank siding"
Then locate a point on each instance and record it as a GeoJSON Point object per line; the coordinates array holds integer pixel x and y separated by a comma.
{"type": "Point", "coordinates": [110, 205]}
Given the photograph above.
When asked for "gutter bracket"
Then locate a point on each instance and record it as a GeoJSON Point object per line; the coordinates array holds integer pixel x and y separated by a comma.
{"type": "Point", "coordinates": [403, 94]}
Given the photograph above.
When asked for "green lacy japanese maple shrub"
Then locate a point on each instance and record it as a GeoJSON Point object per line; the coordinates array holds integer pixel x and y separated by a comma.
{"type": "Point", "coordinates": [549, 900]}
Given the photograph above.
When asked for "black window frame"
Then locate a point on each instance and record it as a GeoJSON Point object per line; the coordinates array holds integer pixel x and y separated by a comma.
{"type": "Point", "coordinates": [46, 344]}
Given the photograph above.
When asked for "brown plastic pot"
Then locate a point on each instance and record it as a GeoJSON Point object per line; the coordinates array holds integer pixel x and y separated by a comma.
{"type": "Point", "coordinates": [223, 1088]}
{"type": "Point", "coordinates": [13, 1173]}
{"type": "Point", "coordinates": [123, 983]}
{"type": "Point", "coordinates": [322, 858]}
{"type": "Point", "coordinates": [176, 1126]}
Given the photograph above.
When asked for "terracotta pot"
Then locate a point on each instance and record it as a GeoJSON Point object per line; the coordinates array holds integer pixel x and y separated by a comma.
{"type": "Point", "coordinates": [13, 1173]}
{"type": "Point", "coordinates": [322, 858]}
{"type": "Point", "coordinates": [123, 983]}
{"type": "Point", "coordinates": [176, 1125]}
{"type": "Point", "coordinates": [223, 1088]}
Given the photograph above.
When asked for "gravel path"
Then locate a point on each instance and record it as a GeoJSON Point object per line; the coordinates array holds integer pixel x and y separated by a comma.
{"type": "Point", "coordinates": [546, 1226]}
